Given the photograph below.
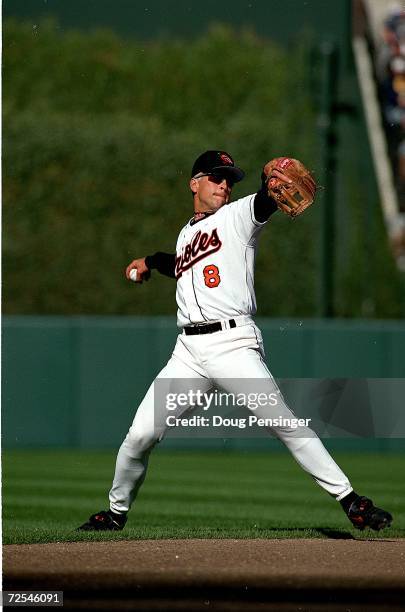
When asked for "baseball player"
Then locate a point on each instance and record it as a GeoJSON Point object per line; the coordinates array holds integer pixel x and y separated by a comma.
{"type": "Point", "coordinates": [219, 340]}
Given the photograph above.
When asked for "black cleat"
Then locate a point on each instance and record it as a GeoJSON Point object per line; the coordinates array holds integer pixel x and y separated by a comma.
{"type": "Point", "coordinates": [362, 513]}
{"type": "Point", "coordinates": [104, 521]}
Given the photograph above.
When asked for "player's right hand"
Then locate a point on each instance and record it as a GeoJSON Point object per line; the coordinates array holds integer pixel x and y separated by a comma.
{"type": "Point", "coordinates": [143, 272]}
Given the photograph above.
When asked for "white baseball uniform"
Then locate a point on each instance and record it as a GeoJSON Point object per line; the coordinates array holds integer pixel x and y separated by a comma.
{"type": "Point", "coordinates": [215, 283]}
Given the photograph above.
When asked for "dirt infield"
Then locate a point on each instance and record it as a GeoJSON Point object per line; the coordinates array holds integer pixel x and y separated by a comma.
{"type": "Point", "coordinates": [214, 574]}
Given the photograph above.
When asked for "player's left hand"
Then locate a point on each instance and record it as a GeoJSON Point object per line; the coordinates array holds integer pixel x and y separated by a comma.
{"type": "Point", "coordinates": [290, 185]}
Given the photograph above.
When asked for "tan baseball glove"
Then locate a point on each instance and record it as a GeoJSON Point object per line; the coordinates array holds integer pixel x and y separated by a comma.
{"type": "Point", "coordinates": [290, 184]}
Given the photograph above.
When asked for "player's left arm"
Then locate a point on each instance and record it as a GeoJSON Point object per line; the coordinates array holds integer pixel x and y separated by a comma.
{"type": "Point", "coordinates": [251, 213]}
{"type": "Point", "coordinates": [263, 206]}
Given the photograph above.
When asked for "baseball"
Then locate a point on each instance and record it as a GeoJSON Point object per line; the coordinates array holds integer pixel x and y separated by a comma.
{"type": "Point", "coordinates": [133, 274]}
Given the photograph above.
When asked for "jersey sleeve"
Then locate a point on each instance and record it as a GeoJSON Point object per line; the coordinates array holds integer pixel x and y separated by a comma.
{"type": "Point", "coordinates": [242, 216]}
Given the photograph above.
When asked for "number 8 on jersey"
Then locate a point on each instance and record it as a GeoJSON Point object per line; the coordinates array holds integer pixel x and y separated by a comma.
{"type": "Point", "coordinates": [211, 276]}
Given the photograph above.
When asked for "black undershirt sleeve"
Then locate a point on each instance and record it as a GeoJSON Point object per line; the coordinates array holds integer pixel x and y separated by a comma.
{"type": "Point", "coordinates": [162, 262]}
{"type": "Point", "coordinates": [264, 206]}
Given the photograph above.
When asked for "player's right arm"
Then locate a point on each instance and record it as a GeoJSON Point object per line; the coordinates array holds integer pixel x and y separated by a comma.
{"type": "Point", "coordinates": [162, 262]}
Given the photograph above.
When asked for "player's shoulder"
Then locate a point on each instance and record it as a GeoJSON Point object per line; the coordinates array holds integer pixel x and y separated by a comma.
{"type": "Point", "coordinates": [241, 202]}
{"type": "Point", "coordinates": [241, 207]}
{"type": "Point", "coordinates": [233, 207]}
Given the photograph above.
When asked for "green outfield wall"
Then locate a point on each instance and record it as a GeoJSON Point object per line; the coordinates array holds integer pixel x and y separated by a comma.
{"type": "Point", "coordinates": [77, 381]}
{"type": "Point", "coordinates": [281, 20]}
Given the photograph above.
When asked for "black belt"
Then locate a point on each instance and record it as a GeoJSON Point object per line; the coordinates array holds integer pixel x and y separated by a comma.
{"type": "Point", "coordinates": [207, 328]}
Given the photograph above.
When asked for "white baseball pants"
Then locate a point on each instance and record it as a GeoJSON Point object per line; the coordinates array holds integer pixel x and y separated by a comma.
{"type": "Point", "coordinates": [232, 354]}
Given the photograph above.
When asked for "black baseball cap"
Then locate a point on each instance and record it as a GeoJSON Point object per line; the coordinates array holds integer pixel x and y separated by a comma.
{"type": "Point", "coordinates": [217, 162]}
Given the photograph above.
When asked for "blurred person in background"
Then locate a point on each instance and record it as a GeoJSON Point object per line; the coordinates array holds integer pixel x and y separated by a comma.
{"type": "Point", "coordinates": [390, 69]}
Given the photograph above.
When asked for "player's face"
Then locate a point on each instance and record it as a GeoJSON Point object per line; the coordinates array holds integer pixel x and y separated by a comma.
{"type": "Point", "coordinates": [211, 192]}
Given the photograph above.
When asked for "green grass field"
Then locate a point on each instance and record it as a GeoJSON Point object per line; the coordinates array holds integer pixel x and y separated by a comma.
{"type": "Point", "coordinates": [212, 494]}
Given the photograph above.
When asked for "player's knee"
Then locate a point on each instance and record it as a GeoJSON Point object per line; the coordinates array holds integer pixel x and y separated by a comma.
{"type": "Point", "coordinates": [141, 440]}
